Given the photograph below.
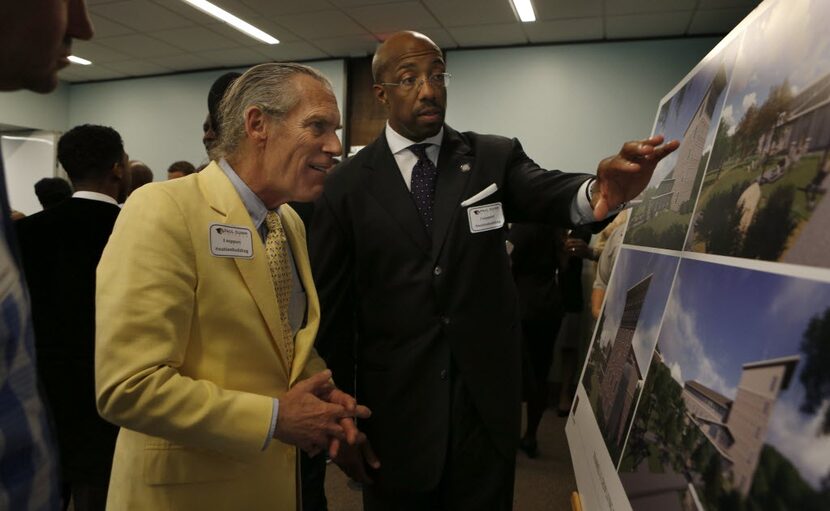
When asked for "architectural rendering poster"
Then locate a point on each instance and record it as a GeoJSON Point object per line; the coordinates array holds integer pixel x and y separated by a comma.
{"type": "Point", "coordinates": [706, 386]}
{"type": "Point", "coordinates": [627, 332]}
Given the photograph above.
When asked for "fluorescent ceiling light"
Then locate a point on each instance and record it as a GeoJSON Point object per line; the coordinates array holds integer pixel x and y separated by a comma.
{"type": "Point", "coordinates": [524, 10]}
{"type": "Point", "coordinates": [79, 60]}
{"type": "Point", "coordinates": [223, 15]}
{"type": "Point", "coordinates": [28, 139]}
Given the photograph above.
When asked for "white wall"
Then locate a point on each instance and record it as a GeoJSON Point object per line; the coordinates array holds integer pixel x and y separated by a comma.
{"type": "Point", "coordinates": [569, 105]}
{"type": "Point", "coordinates": [26, 109]}
{"type": "Point", "coordinates": [160, 118]}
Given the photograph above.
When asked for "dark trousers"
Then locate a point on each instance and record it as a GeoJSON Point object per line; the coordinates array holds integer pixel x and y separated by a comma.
{"type": "Point", "coordinates": [313, 478]}
{"type": "Point", "coordinates": [85, 496]}
{"type": "Point", "coordinates": [476, 477]}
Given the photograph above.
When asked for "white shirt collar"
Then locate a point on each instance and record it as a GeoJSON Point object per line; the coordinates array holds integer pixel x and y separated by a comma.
{"type": "Point", "coordinates": [398, 142]}
{"type": "Point", "coordinates": [94, 196]}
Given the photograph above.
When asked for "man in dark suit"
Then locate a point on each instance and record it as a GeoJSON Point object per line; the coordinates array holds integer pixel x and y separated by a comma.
{"type": "Point", "coordinates": [419, 310]}
{"type": "Point", "coordinates": [60, 248]}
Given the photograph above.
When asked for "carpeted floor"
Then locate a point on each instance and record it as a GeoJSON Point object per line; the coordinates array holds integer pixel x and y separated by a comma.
{"type": "Point", "coordinates": [542, 484]}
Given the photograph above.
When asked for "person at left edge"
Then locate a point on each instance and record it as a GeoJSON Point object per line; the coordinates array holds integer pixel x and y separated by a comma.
{"type": "Point", "coordinates": [35, 41]}
{"type": "Point", "coordinates": [207, 313]}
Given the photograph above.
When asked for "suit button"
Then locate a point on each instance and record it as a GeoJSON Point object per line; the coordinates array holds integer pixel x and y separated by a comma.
{"type": "Point", "coordinates": [444, 374]}
{"type": "Point", "coordinates": [445, 320]}
{"type": "Point", "coordinates": [437, 271]}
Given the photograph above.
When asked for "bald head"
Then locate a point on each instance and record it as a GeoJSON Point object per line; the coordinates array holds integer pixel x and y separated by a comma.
{"type": "Point", "coordinates": [398, 46]}
{"type": "Point", "coordinates": [410, 81]}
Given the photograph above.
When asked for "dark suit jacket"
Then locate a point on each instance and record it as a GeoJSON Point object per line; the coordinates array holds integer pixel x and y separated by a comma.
{"type": "Point", "coordinates": [535, 264]}
{"type": "Point", "coordinates": [404, 307]}
{"type": "Point", "coordinates": [60, 249]}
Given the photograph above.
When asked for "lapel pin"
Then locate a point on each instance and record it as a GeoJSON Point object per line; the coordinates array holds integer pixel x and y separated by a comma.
{"type": "Point", "coordinates": [465, 167]}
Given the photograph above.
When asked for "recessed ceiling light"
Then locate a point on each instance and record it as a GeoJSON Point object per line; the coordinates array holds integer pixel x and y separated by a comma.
{"type": "Point", "coordinates": [523, 10]}
{"type": "Point", "coordinates": [226, 17]}
{"type": "Point", "coordinates": [79, 60]}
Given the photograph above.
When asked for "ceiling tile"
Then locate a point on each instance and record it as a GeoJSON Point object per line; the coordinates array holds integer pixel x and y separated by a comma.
{"type": "Point", "coordinates": [278, 8]}
{"type": "Point", "coordinates": [723, 4]}
{"type": "Point", "coordinates": [186, 10]}
{"type": "Point", "coordinates": [96, 53]}
{"type": "Point", "coordinates": [647, 25]}
{"type": "Point", "coordinates": [455, 13]}
{"type": "Point", "coordinates": [717, 21]}
{"type": "Point", "coordinates": [393, 17]}
{"type": "Point", "coordinates": [67, 75]}
{"type": "Point", "coordinates": [347, 46]}
{"type": "Point", "coordinates": [139, 46]}
{"type": "Point", "coordinates": [194, 39]}
{"type": "Point", "coordinates": [243, 39]}
{"type": "Point", "coordinates": [142, 15]}
{"type": "Point", "coordinates": [286, 52]}
{"type": "Point", "coordinates": [88, 73]}
{"type": "Point", "coordinates": [234, 57]}
{"type": "Point", "coordinates": [618, 7]}
{"type": "Point", "coordinates": [323, 23]}
{"type": "Point", "coordinates": [439, 36]}
{"type": "Point", "coordinates": [557, 9]}
{"type": "Point", "coordinates": [107, 28]}
{"type": "Point", "coordinates": [138, 68]}
{"type": "Point", "coordinates": [360, 3]}
{"type": "Point", "coordinates": [183, 62]}
{"type": "Point", "coordinates": [489, 35]}
{"type": "Point", "coordinates": [579, 29]}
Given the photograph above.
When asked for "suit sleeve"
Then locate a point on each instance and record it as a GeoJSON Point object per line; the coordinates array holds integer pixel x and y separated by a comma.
{"type": "Point", "coordinates": [534, 194]}
{"type": "Point", "coordinates": [145, 306]}
{"type": "Point", "coordinates": [332, 263]}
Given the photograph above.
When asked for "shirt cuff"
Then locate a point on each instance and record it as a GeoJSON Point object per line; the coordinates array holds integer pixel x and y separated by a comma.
{"type": "Point", "coordinates": [275, 411]}
{"type": "Point", "coordinates": [581, 210]}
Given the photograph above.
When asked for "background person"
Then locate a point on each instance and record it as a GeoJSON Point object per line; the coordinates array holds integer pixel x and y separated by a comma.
{"type": "Point", "coordinates": [180, 169]}
{"type": "Point", "coordinates": [35, 40]}
{"type": "Point", "coordinates": [51, 191]}
{"type": "Point", "coordinates": [60, 249]}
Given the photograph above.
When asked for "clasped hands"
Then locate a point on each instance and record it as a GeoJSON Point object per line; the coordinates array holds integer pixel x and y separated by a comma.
{"type": "Point", "coordinates": [315, 415]}
{"type": "Point", "coordinates": [623, 176]}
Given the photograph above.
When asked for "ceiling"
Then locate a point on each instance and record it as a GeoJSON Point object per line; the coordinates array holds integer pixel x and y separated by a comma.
{"type": "Point", "coordinates": [152, 37]}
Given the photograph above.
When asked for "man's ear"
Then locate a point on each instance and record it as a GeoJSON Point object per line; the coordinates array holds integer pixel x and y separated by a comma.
{"type": "Point", "coordinates": [256, 124]}
{"type": "Point", "coordinates": [380, 93]}
{"type": "Point", "coordinates": [118, 169]}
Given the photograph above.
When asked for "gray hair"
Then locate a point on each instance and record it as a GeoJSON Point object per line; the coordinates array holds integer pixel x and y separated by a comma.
{"type": "Point", "coordinates": [268, 87]}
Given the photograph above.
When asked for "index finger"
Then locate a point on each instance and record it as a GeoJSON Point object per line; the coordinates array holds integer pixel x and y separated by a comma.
{"type": "Point", "coordinates": [637, 148]}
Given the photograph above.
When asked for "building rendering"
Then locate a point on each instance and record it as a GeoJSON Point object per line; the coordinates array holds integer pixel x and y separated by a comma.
{"type": "Point", "coordinates": [622, 377]}
{"type": "Point", "coordinates": [737, 428]}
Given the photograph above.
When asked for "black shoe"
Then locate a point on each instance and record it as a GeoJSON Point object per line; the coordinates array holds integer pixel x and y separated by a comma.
{"type": "Point", "coordinates": [530, 447]}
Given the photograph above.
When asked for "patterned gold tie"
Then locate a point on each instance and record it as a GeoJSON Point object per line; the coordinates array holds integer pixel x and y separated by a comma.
{"type": "Point", "coordinates": [277, 251]}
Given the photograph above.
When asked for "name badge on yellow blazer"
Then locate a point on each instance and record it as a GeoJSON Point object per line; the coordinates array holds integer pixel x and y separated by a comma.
{"type": "Point", "coordinates": [231, 241]}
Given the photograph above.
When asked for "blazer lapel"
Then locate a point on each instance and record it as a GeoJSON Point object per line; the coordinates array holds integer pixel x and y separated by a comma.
{"type": "Point", "coordinates": [224, 199]}
{"type": "Point", "coordinates": [388, 187]}
{"type": "Point", "coordinates": [455, 162]}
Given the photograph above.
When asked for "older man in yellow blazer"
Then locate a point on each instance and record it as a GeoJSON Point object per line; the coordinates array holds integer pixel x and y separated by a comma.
{"type": "Point", "coordinates": [207, 313]}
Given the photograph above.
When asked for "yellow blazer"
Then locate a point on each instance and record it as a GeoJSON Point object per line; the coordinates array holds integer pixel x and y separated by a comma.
{"type": "Point", "coordinates": [189, 353]}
